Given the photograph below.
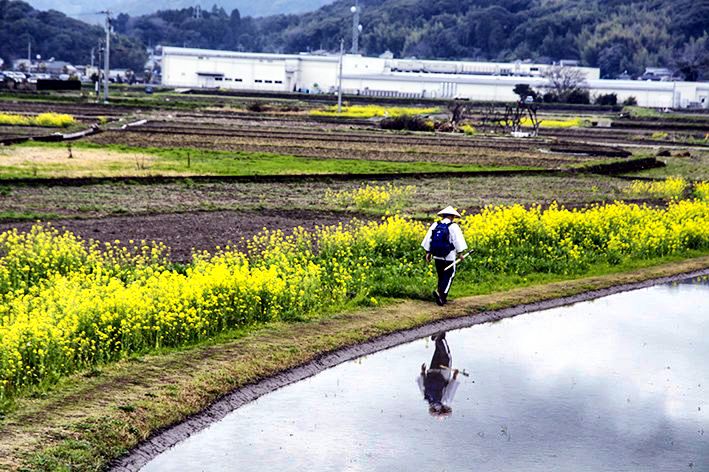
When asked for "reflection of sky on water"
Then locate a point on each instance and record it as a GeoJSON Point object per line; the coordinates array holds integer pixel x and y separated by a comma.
{"type": "Point", "coordinates": [616, 384]}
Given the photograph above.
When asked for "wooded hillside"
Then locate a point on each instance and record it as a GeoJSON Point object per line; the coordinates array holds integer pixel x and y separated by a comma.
{"type": "Point", "coordinates": [615, 35]}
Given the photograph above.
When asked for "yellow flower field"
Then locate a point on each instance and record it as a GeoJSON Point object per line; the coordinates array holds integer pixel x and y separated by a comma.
{"type": "Point", "coordinates": [387, 196]}
{"type": "Point", "coordinates": [371, 111]}
{"type": "Point", "coordinates": [672, 187]}
{"type": "Point", "coordinates": [50, 120]}
{"type": "Point", "coordinates": [69, 304]}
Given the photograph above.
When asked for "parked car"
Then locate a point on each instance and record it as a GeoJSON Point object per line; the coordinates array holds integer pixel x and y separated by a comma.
{"type": "Point", "coordinates": [16, 76]}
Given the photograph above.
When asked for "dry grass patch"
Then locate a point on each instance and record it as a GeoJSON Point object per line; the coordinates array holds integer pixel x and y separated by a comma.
{"type": "Point", "coordinates": [45, 161]}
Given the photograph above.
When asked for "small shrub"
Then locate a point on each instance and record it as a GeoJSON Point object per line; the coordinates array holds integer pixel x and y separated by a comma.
{"type": "Point", "coordinates": [407, 122]}
{"type": "Point", "coordinates": [550, 97]}
{"type": "Point", "coordinates": [659, 135]}
{"type": "Point", "coordinates": [608, 99]}
{"type": "Point", "coordinates": [468, 130]}
{"type": "Point", "coordinates": [701, 190]}
{"type": "Point", "coordinates": [257, 107]}
{"type": "Point", "coordinates": [630, 102]}
{"type": "Point", "coordinates": [579, 96]}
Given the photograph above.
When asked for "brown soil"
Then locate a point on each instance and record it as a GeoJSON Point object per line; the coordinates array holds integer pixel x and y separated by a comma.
{"type": "Point", "coordinates": [183, 232]}
{"type": "Point", "coordinates": [78, 110]}
{"type": "Point", "coordinates": [331, 148]}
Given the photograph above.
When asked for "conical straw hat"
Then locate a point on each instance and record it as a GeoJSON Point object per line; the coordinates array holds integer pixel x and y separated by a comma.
{"type": "Point", "coordinates": [449, 210]}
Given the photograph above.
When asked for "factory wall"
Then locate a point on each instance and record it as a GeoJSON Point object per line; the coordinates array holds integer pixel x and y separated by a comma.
{"type": "Point", "coordinates": [397, 77]}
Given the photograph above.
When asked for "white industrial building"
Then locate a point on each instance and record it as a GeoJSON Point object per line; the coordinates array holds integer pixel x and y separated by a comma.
{"type": "Point", "coordinates": [388, 77]}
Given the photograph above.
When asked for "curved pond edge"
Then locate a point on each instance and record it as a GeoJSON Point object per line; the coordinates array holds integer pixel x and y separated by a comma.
{"type": "Point", "coordinates": [167, 438]}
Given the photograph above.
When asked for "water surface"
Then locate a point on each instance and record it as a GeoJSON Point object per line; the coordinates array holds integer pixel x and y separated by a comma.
{"type": "Point", "coordinates": [616, 384]}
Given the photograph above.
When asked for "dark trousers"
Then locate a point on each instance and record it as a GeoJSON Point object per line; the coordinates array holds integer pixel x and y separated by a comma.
{"type": "Point", "coordinates": [441, 355]}
{"type": "Point", "coordinates": [436, 378]}
{"type": "Point", "coordinates": [445, 277]}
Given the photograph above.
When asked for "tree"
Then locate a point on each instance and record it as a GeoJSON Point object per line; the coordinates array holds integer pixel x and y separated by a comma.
{"type": "Point", "coordinates": [693, 61]}
{"type": "Point", "coordinates": [525, 90]}
{"type": "Point", "coordinates": [564, 82]}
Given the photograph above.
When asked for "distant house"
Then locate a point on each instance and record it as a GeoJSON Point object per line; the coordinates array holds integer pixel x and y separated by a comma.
{"type": "Point", "coordinates": [58, 68]}
{"type": "Point", "coordinates": [656, 74]}
{"type": "Point", "coordinates": [22, 65]}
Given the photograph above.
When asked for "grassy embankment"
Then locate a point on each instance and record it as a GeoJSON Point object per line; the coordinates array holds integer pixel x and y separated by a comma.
{"type": "Point", "coordinates": [692, 166]}
{"type": "Point", "coordinates": [51, 160]}
{"type": "Point", "coordinates": [93, 417]}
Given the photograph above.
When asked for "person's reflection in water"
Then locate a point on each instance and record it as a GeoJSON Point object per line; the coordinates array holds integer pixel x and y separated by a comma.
{"type": "Point", "coordinates": [439, 383]}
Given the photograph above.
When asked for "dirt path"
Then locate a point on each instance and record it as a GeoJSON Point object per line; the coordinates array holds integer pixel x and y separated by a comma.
{"type": "Point", "coordinates": [182, 232]}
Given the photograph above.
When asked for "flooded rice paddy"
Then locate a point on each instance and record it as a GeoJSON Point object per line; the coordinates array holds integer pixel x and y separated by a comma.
{"type": "Point", "coordinates": [616, 384]}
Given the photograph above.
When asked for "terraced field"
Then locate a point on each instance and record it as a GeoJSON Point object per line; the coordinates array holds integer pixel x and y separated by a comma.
{"type": "Point", "coordinates": [172, 149]}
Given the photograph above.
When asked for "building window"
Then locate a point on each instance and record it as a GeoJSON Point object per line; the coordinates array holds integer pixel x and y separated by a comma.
{"type": "Point", "coordinates": [279, 81]}
{"type": "Point", "coordinates": [258, 81]}
{"type": "Point", "coordinates": [238, 80]}
{"type": "Point", "coordinates": [219, 79]}
{"type": "Point", "coordinates": [269, 81]}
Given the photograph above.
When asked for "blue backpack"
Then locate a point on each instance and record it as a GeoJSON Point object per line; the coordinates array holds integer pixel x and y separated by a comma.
{"type": "Point", "coordinates": [441, 244]}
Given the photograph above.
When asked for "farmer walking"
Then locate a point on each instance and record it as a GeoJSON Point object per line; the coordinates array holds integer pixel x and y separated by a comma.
{"type": "Point", "coordinates": [444, 242]}
{"type": "Point", "coordinates": [440, 382]}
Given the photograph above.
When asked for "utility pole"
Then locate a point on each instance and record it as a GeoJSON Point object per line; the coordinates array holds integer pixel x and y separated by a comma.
{"type": "Point", "coordinates": [29, 52]}
{"type": "Point", "coordinates": [356, 27]}
{"type": "Point", "coordinates": [339, 77]}
{"type": "Point", "coordinates": [106, 54]}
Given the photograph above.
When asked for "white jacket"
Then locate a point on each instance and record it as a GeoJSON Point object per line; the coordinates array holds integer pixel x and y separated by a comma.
{"type": "Point", "coordinates": [456, 236]}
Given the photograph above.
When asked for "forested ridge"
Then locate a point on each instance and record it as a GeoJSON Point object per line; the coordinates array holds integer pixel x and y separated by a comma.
{"type": "Point", "coordinates": [53, 34]}
{"type": "Point", "coordinates": [615, 35]}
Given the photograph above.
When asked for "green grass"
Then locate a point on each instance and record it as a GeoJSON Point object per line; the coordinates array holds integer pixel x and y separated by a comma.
{"type": "Point", "coordinates": [499, 283]}
{"type": "Point", "coordinates": [642, 112]}
{"type": "Point", "coordinates": [26, 216]}
{"type": "Point", "coordinates": [176, 161]}
{"type": "Point", "coordinates": [695, 167]}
